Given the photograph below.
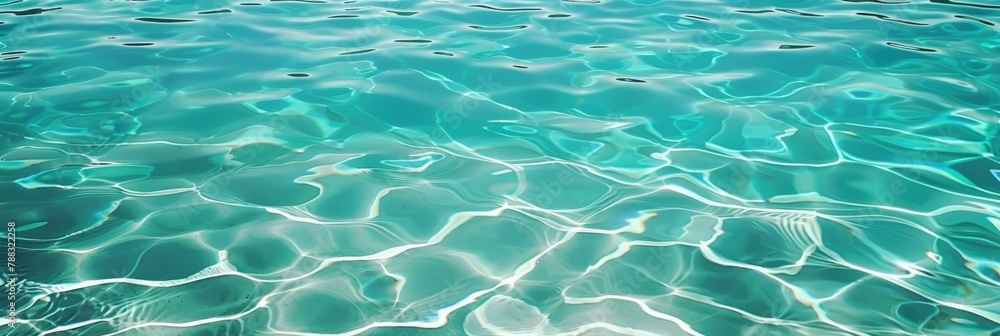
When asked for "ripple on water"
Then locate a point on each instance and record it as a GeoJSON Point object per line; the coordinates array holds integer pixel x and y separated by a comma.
{"type": "Point", "coordinates": [513, 167]}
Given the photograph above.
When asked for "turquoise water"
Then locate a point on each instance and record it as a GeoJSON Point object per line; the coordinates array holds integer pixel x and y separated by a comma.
{"type": "Point", "coordinates": [588, 167]}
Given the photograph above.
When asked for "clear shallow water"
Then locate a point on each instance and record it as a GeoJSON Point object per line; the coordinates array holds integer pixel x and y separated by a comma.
{"type": "Point", "coordinates": [510, 167]}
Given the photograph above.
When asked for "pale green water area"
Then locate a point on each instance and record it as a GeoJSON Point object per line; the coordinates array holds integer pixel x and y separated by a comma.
{"type": "Point", "coordinates": [463, 167]}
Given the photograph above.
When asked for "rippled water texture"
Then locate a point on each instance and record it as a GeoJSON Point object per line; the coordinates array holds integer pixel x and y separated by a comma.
{"type": "Point", "coordinates": [586, 167]}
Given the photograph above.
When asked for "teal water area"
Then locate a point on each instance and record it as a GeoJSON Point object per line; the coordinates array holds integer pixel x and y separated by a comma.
{"type": "Point", "coordinates": [585, 167]}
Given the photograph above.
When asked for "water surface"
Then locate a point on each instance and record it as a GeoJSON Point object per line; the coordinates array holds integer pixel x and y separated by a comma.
{"type": "Point", "coordinates": [586, 167]}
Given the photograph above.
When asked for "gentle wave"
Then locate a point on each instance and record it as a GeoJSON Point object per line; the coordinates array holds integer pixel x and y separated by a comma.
{"type": "Point", "coordinates": [182, 167]}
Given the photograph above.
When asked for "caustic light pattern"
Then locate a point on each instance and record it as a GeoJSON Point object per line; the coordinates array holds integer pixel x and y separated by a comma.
{"type": "Point", "coordinates": [514, 167]}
